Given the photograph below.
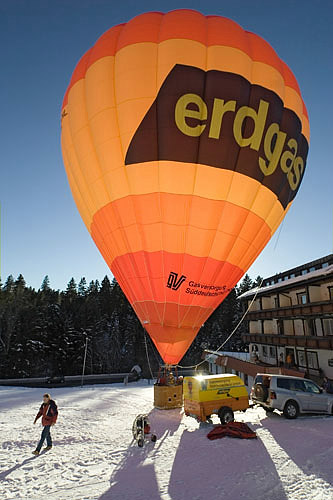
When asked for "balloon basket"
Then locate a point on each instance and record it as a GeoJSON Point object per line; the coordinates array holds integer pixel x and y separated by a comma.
{"type": "Point", "coordinates": [168, 397]}
{"type": "Point", "coordinates": [168, 390]}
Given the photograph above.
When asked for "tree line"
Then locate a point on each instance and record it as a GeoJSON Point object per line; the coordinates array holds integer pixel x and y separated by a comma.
{"type": "Point", "coordinates": [43, 332]}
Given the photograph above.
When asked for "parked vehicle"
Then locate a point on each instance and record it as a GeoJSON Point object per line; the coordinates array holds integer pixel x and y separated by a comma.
{"type": "Point", "coordinates": [222, 394]}
{"type": "Point", "coordinates": [56, 379]}
{"type": "Point", "coordinates": [291, 395]}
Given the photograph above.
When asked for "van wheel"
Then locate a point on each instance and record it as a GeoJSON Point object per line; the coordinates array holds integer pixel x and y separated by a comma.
{"type": "Point", "coordinates": [225, 415]}
{"type": "Point", "coordinates": [291, 410]}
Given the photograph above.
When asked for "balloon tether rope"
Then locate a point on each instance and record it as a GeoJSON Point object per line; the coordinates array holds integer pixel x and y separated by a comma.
{"type": "Point", "coordinates": [232, 333]}
{"type": "Point", "coordinates": [147, 354]}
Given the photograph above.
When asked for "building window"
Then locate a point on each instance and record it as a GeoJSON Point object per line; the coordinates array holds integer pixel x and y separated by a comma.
{"type": "Point", "coordinates": [310, 327]}
{"type": "Point", "coordinates": [286, 278]}
{"type": "Point", "coordinates": [304, 272]}
{"type": "Point", "coordinates": [328, 326]}
{"type": "Point", "coordinates": [246, 379]}
{"type": "Point", "coordinates": [276, 302]}
{"type": "Point", "coordinates": [262, 330]}
{"type": "Point", "coordinates": [330, 291]}
{"type": "Point", "coordinates": [264, 350]}
{"type": "Point", "coordinates": [292, 275]}
{"type": "Point", "coordinates": [319, 327]}
{"type": "Point", "coordinates": [301, 298]}
{"type": "Point", "coordinates": [312, 359]}
{"type": "Point", "coordinates": [290, 357]}
{"type": "Point", "coordinates": [325, 264]}
{"type": "Point", "coordinates": [279, 280]}
{"type": "Point", "coordinates": [272, 282]}
{"type": "Point", "coordinates": [272, 352]}
{"type": "Point", "coordinates": [280, 326]}
{"type": "Point", "coordinates": [312, 269]}
{"type": "Point", "coordinates": [301, 360]}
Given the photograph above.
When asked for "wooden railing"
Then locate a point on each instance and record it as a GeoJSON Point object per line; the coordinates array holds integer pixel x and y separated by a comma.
{"type": "Point", "coordinates": [289, 340]}
{"type": "Point", "coordinates": [295, 311]}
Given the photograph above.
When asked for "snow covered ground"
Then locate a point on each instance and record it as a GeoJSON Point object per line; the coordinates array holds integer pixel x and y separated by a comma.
{"type": "Point", "coordinates": [93, 457]}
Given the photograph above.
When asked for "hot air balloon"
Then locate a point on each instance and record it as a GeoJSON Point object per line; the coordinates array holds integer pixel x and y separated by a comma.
{"type": "Point", "coordinates": [185, 140]}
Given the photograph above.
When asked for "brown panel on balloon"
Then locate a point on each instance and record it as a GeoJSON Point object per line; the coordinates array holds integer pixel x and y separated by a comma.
{"type": "Point", "coordinates": [230, 137]}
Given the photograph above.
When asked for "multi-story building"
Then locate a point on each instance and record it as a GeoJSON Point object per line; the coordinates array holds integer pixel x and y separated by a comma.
{"type": "Point", "coordinates": [291, 318]}
{"type": "Point", "coordinates": [289, 326]}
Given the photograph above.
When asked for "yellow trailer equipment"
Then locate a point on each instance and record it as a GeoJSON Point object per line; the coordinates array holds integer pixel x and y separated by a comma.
{"type": "Point", "coordinates": [221, 394]}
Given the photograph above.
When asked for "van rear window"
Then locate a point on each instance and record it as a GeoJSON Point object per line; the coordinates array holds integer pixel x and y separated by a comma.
{"type": "Point", "coordinates": [283, 383]}
{"type": "Point", "coordinates": [259, 379]}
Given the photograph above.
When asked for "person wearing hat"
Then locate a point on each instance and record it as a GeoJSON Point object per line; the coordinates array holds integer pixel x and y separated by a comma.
{"type": "Point", "coordinates": [49, 413]}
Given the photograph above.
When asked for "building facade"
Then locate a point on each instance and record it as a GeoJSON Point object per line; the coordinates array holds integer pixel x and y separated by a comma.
{"type": "Point", "coordinates": [290, 322]}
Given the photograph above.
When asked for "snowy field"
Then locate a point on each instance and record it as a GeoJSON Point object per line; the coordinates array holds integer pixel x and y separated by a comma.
{"type": "Point", "coordinates": [94, 457]}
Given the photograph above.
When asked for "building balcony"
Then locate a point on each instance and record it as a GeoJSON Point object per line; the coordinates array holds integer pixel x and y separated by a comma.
{"type": "Point", "coordinates": [229, 362]}
{"type": "Point", "coordinates": [293, 312]}
{"type": "Point", "coordinates": [289, 340]}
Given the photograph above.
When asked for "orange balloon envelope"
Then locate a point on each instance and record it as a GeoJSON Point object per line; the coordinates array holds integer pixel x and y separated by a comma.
{"type": "Point", "coordinates": [185, 140]}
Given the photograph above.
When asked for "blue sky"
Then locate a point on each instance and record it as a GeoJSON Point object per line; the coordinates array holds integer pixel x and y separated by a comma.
{"type": "Point", "coordinates": [40, 43]}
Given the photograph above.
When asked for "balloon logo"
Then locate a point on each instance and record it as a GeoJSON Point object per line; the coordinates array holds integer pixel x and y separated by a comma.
{"type": "Point", "coordinates": [185, 140]}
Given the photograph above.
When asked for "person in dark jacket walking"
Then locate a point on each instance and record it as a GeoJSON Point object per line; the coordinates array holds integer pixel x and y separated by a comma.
{"type": "Point", "coordinates": [327, 386]}
{"type": "Point", "coordinates": [49, 413]}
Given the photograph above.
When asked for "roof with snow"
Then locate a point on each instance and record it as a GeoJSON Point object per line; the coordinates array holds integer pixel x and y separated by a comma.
{"type": "Point", "coordinates": [290, 282]}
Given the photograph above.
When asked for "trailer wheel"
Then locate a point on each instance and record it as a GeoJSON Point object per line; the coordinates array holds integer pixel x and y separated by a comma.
{"type": "Point", "coordinates": [140, 442]}
{"type": "Point", "coordinates": [153, 438]}
{"type": "Point", "coordinates": [225, 415]}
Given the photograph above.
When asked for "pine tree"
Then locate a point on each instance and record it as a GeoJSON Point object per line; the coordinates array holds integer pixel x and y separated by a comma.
{"type": "Point", "coordinates": [19, 284]}
{"type": "Point", "coordinates": [9, 284]}
{"type": "Point", "coordinates": [105, 294]}
{"type": "Point", "coordinates": [45, 286]}
{"type": "Point", "coordinates": [71, 290]}
{"type": "Point", "coordinates": [245, 285]}
{"type": "Point", "coordinates": [93, 288]}
{"type": "Point", "coordinates": [82, 287]}
{"type": "Point", "coordinates": [257, 282]}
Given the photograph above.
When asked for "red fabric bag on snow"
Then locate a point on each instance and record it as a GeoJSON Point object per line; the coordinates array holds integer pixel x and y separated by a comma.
{"type": "Point", "coordinates": [233, 429]}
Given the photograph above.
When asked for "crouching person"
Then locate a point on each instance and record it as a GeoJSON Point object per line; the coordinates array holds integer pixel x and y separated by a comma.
{"type": "Point", "coordinates": [49, 412]}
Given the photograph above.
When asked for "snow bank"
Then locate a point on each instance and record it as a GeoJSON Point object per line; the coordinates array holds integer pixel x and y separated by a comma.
{"type": "Point", "coordinates": [93, 457]}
